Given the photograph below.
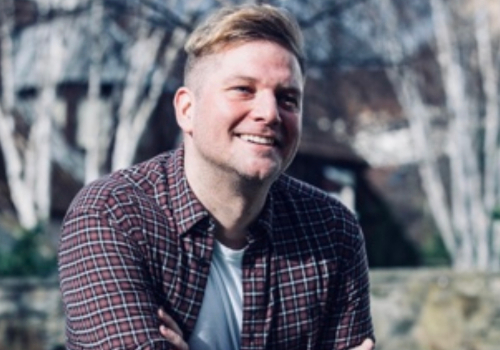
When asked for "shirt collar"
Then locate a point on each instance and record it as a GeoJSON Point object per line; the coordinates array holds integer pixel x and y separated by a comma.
{"type": "Point", "coordinates": [186, 208]}
{"type": "Point", "coordinates": [263, 225]}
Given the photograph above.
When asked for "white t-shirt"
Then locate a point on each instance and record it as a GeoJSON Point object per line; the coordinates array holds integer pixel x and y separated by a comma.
{"type": "Point", "coordinates": [219, 323]}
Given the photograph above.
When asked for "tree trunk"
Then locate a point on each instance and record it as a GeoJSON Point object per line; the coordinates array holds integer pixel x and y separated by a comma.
{"type": "Point", "coordinates": [99, 122]}
{"type": "Point", "coordinates": [419, 116]}
{"type": "Point", "coordinates": [141, 57]}
{"type": "Point", "coordinates": [160, 75]}
{"type": "Point", "coordinates": [20, 193]}
{"type": "Point", "coordinates": [465, 159]}
{"type": "Point", "coordinates": [491, 124]}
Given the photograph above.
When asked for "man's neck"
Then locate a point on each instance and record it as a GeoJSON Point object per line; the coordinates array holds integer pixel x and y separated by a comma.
{"type": "Point", "coordinates": [233, 203]}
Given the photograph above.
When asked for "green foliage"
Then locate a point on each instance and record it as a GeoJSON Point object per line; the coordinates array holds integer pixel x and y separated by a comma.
{"type": "Point", "coordinates": [434, 252]}
{"type": "Point", "coordinates": [25, 258]}
{"type": "Point", "coordinates": [496, 213]}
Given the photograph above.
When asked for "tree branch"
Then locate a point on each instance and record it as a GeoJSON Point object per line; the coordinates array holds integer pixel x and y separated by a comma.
{"type": "Point", "coordinates": [328, 13]}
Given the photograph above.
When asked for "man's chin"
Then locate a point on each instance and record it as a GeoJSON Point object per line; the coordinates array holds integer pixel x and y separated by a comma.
{"type": "Point", "coordinates": [261, 174]}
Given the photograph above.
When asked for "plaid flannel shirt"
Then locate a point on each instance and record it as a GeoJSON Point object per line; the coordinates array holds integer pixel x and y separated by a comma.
{"type": "Point", "coordinates": [139, 239]}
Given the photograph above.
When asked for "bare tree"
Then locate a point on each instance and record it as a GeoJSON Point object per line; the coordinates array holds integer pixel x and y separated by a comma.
{"type": "Point", "coordinates": [95, 135]}
{"type": "Point", "coordinates": [135, 111]}
{"type": "Point", "coordinates": [151, 54]}
{"type": "Point", "coordinates": [28, 165]}
{"type": "Point", "coordinates": [28, 153]}
{"type": "Point", "coordinates": [463, 209]}
{"type": "Point", "coordinates": [21, 191]}
{"type": "Point", "coordinates": [41, 130]}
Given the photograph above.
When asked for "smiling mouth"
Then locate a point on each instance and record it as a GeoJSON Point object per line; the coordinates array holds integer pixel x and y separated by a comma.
{"type": "Point", "coordinates": [259, 140]}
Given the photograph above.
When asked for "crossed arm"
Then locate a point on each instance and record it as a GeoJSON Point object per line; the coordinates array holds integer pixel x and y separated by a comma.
{"type": "Point", "coordinates": [353, 300]}
{"type": "Point", "coordinates": [171, 331]}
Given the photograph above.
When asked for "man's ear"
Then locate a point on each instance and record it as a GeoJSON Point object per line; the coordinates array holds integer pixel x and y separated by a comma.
{"type": "Point", "coordinates": [184, 108]}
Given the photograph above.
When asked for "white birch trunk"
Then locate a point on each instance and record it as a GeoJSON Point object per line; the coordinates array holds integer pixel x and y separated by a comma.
{"type": "Point", "coordinates": [141, 56]}
{"type": "Point", "coordinates": [95, 155]}
{"type": "Point", "coordinates": [40, 136]}
{"type": "Point", "coordinates": [20, 193]}
{"type": "Point", "coordinates": [464, 223]}
{"type": "Point", "coordinates": [456, 139]}
{"type": "Point", "coordinates": [489, 77]}
{"type": "Point", "coordinates": [466, 159]}
{"type": "Point", "coordinates": [134, 114]}
{"type": "Point", "coordinates": [41, 132]}
{"type": "Point", "coordinates": [406, 88]}
{"type": "Point", "coordinates": [7, 25]}
{"type": "Point", "coordinates": [419, 115]}
{"type": "Point", "coordinates": [160, 75]}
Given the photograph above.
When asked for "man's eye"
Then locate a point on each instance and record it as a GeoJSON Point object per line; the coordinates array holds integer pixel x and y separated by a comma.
{"type": "Point", "coordinates": [242, 88]}
{"type": "Point", "coordinates": [289, 102]}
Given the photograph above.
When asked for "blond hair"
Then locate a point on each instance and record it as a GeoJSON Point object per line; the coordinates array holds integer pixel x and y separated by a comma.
{"type": "Point", "coordinates": [239, 24]}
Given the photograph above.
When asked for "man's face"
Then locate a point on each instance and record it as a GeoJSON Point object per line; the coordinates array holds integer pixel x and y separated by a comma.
{"type": "Point", "coordinates": [244, 114]}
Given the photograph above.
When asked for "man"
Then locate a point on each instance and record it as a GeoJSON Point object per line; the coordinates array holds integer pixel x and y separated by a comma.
{"type": "Point", "coordinates": [210, 246]}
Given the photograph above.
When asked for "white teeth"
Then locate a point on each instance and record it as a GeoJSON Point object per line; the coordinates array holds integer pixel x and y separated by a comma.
{"type": "Point", "coordinates": [258, 139]}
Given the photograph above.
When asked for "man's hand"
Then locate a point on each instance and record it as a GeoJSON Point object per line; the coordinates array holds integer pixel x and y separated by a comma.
{"type": "Point", "coordinates": [367, 345]}
{"type": "Point", "coordinates": [172, 332]}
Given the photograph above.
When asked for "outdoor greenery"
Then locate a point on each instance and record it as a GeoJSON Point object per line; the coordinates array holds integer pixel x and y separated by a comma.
{"type": "Point", "coordinates": [24, 257]}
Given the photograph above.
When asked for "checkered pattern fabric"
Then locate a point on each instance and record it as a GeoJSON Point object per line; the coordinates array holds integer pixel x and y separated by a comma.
{"type": "Point", "coordinates": [139, 239]}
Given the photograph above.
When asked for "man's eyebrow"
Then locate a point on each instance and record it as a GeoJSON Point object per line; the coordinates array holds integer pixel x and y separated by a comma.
{"type": "Point", "coordinates": [239, 78]}
{"type": "Point", "coordinates": [290, 90]}
{"type": "Point", "coordinates": [293, 88]}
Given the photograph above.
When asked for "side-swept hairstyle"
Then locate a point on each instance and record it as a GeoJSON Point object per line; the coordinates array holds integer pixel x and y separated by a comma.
{"type": "Point", "coordinates": [244, 23]}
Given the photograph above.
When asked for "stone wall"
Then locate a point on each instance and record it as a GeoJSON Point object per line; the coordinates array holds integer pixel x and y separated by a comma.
{"type": "Point", "coordinates": [31, 315]}
{"type": "Point", "coordinates": [412, 310]}
{"type": "Point", "coordinates": [436, 310]}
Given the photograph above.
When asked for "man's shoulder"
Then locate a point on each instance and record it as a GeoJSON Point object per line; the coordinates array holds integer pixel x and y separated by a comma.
{"type": "Point", "coordinates": [306, 213]}
{"type": "Point", "coordinates": [137, 182]}
{"type": "Point", "coordinates": [288, 188]}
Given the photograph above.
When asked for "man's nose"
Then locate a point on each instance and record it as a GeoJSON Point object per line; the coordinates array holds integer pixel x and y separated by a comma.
{"type": "Point", "coordinates": [266, 108]}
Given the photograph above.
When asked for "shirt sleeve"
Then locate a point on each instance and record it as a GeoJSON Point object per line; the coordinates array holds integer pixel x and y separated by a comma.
{"type": "Point", "coordinates": [107, 292]}
{"type": "Point", "coordinates": [348, 321]}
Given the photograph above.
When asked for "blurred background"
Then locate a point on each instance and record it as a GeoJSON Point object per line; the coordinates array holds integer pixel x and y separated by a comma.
{"type": "Point", "coordinates": [401, 122]}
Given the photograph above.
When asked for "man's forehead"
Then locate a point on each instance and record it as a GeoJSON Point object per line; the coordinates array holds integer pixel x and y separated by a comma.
{"type": "Point", "coordinates": [222, 62]}
{"type": "Point", "coordinates": [220, 50]}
